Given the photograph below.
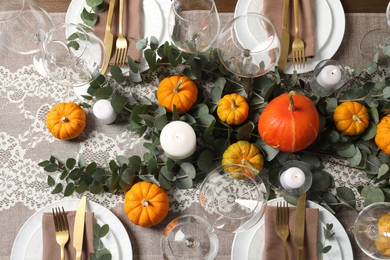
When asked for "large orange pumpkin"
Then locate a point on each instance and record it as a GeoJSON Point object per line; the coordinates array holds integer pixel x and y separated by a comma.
{"type": "Point", "coordinates": [351, 118]}
{"type": "Point", "coordinates": [233, 109]}
{"type": "Point", "coordinates": [382, 137]}
{"type": "Point", "coordinates": [243, 153]}
{"type": "Point", "coordinates": [179, 91]}
{"type": "Point", "coordinates": [290, 122]}
{"type": "Point", "coordinates": [66, 120]}
{"type": "Point", "coordinates": [146, 204]}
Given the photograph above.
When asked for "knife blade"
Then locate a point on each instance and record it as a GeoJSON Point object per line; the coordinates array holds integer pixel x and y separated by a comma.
{"type": "Point", "coordinates": [300, 226]}
{"type": "Point", "coordinates": [78, 231]}
{"type": "Point", "coordinates": [284, 37]}
{"type": "Point", "coordinates": [108, 37]}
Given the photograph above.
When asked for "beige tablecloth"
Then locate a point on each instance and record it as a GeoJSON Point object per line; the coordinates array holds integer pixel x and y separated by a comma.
{"type": "Point", "coordinates": [25, 98]}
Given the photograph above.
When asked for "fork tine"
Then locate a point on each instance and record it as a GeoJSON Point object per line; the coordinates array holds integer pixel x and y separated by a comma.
{"type": "Point", "coordinates": [55, 220]}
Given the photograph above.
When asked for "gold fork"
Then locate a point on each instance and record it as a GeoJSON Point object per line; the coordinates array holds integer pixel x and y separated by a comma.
{"type": "Point", "coordinates": [61, 227]}
{"type": "Point", "coordinates": [121, 42]}
{"type": "Point", "coordinates": [298, 46]}
{"type": "Point", "coordinates": [282, 225]}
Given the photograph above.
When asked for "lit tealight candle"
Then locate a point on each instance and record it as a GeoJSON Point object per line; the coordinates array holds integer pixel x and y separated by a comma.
{"type": "Point", "coordinates": [329, 77]}
{"type": "Point", "coordinates": [104, 111]}
{"type": "Point", "coordinates": [178, 140]}
{"type": "Point", "coordinates": [292, 178]}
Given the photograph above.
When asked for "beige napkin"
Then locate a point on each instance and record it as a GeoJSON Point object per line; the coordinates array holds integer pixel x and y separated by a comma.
{"type": "Point", "coordinates": [273, 9]}
{"type": "Point", "coordinates": [51, 250]}
{"type": "Point", "coordinates": [273, 245]}
{"type": "Point", "coordinates": [132, 26]}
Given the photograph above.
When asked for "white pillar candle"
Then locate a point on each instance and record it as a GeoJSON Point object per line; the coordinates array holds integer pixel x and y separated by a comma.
{"type": "Point", "coordinates": [178, 140]}
{"type": "Point", "coordinates": [104, 111]}
{"type": "Point", "coordinates": [329, 77]}
{"type": "Point", "coordinates": [292, 178]}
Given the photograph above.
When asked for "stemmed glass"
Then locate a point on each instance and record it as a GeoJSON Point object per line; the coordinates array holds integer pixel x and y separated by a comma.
{"type": "Point", "coordinates": [232, 198]}
{"type": "Point", "coordinates": [23, 26]}
{"type": "Point", "coordinates": [193, 26]}
{"type": "Point", "coordinates": [248, 46]}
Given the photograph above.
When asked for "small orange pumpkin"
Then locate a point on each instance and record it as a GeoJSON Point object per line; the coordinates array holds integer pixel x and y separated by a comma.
{"type": "Point", "coordinates": [66, 120]}
{"type": "Point", "coordinates": [233, 109]}
{"type": "Point", "coordinates": [290, 122]}
{"type": "Point", "coordinates": [382, 241]}
{"type": "Point", "coordinates": [244, 153]}
{"type": "Point", "coordinates": [382, 137]}
{"type": "Point", "coordinates": [179, 91]}
{"type": "Point", "coordinates": [351, 118]}
{"type": "Point", "coordinates": [146, 204]}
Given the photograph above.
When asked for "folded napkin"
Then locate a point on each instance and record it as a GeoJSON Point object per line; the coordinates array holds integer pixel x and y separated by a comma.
{"type": "Point", "coordinates": [51, 250]}
{"type": "Point", "coordinates": [132, 26]}
{"type": "Point", "coordinates": [273, 10]}
{"type": "Point", "coordinates": [273, 245]}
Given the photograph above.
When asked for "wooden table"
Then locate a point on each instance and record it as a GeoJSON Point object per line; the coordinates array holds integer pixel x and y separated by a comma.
{"type": "Point", "coordinates": [350, 6]}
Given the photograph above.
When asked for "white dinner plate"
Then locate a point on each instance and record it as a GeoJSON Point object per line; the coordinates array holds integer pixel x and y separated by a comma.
{"type": "Point", "coordinates": [329, 25]}
{"type": "Point", "coordinates": [155, 13]}
{"type": "Point", "coordinates": [28, 242]}
{"type": "Point", "coordinates": [249, 244]}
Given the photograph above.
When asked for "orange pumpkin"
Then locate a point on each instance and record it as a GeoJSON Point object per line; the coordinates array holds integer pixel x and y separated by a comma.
{"type": "Point", "coordinates": [146, 204]}
{"type": "Point", "coordinates": [351, 118]}
{"type": "Point", "coordinates": [290, 122]}
{"type": "Point", "coordinates": [382, 137]}
{"type": "Point", "coordinates": [66, 120]}
{"type": "Point", "coordinates": [233, 109]}
{"type": "Point", "coordinates": [179, 91]}
{"type": "Point", "coordinates": [244, 153]}
{"type": "Point", "coordinates": [382, 240]}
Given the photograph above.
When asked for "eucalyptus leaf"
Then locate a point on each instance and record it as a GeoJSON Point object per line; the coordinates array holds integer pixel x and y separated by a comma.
{"type": "Point", "coordinates": [245, 131]}
{"type": "Point", "coordinates": [372, 195]}
{"type": "Point", "coordinates": [347, 196]}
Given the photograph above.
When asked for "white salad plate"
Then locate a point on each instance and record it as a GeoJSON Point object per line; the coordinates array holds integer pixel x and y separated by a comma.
{"type": "Point", "coordinates": [249, 244]}
{"type": "Point", "coordinates": [28, 242]}
{"type": "Point", "coordinates": [329, 25]}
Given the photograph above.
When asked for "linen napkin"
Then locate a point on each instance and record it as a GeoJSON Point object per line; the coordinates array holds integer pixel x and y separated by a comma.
{"type": "Point", "coordinates": [273, 245]}
{"type": "Point", "coordinates": [132, 26]}
{"type": "Point", "coordinates": [51, 250]}
{"type": "Point", "coordinates": [273, 10]}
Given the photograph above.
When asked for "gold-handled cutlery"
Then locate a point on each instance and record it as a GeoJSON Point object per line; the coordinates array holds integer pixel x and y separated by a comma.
{"type": "Point", "coordinates": [298, 46]}
{"type": "Point", "coordinates": [108, 37]}
{"type": "Point", "coordinates": [282, 225]}
{"type": "Point", "coordinates": [61, 227]}
{"type": "Point", "coordinates": [121, 42]}
{"type": "Point", "coordinates": [78, 231]}
{"type": "Point", "coordinates": [285, 36]}
{"type": "Point", "coordinates": [300, 226]}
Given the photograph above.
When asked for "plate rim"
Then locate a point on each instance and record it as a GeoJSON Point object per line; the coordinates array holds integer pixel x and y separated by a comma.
{"type": "Point", "coordinates": [342, 236]}
{"type": "Point", "coordinates": [124, 245]}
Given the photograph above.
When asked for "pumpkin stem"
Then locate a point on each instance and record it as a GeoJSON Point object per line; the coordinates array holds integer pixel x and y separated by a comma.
{"type": "Point", "coordinates": [64, 119]}
{"type": "Point", "coordinates": [291, 107]}
{"type": "Point", "coordinates": [234, 104]}
{"type": "Point", "coordinates": [176, 89]}
{"type": "Point", "coordinates": [356, 118]}
{"type": "Point", "coordinates": [145, 202]}
{"type": "Point", "coordinates": [247, 163]}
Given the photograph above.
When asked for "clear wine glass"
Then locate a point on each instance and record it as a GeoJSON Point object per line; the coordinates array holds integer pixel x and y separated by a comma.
{"type": "Point", "coordinates": [23, 26]}
{"type": "Point", "coordinates": [232, 198]}
{"type": "Point", "coordinates": [193, 26]}
{"type": "Point", "coordinates": [248, 46]}
{"type": "Point", "coordinates": [72, 55]}
{"type": "Point", "coordinates": [376, 42]}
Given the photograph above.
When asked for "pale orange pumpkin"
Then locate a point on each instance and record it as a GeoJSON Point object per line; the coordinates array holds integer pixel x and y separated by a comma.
{"type": "Point", "coordinates": [179, 91]}
{"type": "Point", "coordinates": [146, 204]}
{"type": "Point", "coordinates": [382, 137]}
{"type": "Point", "coordinates": [290, 122]}
{"type": "Point", "coordinates": [233, 109]}
{"type": "Point", "coordinates": [66, 120]}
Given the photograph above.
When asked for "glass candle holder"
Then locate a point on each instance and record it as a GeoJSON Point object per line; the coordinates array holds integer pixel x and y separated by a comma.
{"type": "Point", "coordinates": [295, 177]}
{"type": "Point", "coordinates": [329, 76]}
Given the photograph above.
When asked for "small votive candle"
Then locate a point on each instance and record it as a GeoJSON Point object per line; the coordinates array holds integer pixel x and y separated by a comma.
{"type": "Point", "coordinates": [104, 111]}
{"type": "Point", "coordinates": [292, 178]}
{"type": "Point", "coordinates": [329, 77]}
{"type": "Point", "coordinates": [295, 177]}
{"type": "Point", "coordinates": [178, 140]}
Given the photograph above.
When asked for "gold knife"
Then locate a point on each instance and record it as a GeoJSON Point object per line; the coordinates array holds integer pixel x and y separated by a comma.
{"type": "Point", "coordinates": [284, 37]}
{"type": "Point", "coordinates": [78, 231]}
{"type": "Point", "coordinates": [300, 226]}
{"type": "Point", "coordinates": [108, 37]}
